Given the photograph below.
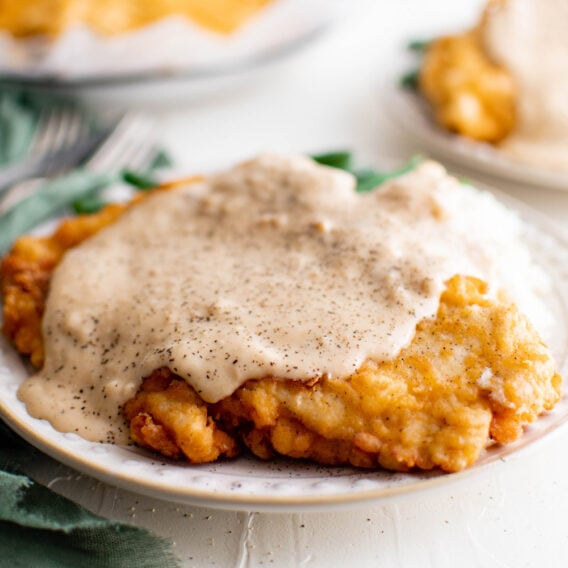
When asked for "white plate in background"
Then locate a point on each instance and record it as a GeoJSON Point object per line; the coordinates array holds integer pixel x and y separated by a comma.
{"type": "Point", "coordinates": [173, 49]}
{"type": "Point", "coordinates": [411, 113]}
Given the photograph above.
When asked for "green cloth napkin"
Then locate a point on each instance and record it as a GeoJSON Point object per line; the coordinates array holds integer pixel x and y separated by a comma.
{"type": "Point", "coordinates": [38, 527]}
{"type": "Point", "coordinates": [54, 197]}
{"type": "Point", "coordinates": [41, 529]}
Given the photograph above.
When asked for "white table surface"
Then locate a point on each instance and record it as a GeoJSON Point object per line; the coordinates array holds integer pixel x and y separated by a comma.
{"type": "Point", "coordinates": [512, 514]}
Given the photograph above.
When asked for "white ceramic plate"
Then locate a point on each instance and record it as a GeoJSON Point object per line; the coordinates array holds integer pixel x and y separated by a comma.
{"type": "Point", "coordinates": [249, 484]}
{"type": "Point", "coordinates": [412, 115]}
{"type": "Point", "coordinates": [181, 51]}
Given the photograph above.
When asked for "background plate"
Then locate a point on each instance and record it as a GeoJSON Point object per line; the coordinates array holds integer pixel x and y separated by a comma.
{"type": "Point", "coordinates": [181, 51]}
{"type": "Point", "coordinates": [410, 112]}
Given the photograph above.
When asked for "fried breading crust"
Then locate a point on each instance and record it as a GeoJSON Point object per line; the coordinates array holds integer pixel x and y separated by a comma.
{"type": "Point", "coordinates": [469, 94]}
{"type": "Point", "coordinates": [475, 373]}
{"type": "Point", "coordinates": [169, 417]}
{"type": "Point", "coordinates": [26, 271]}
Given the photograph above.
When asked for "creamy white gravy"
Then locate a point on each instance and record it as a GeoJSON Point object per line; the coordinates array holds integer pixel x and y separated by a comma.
{"type": "Point", "coordinates": [274, 268]}
{"type": "Point", "coordinates": [529, 38]}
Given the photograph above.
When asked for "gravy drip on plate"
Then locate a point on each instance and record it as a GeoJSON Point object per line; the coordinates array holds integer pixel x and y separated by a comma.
{"type": "Point", "coordinates": [529, 38]}
{"type": "Point", "coordinates": [275, 268]}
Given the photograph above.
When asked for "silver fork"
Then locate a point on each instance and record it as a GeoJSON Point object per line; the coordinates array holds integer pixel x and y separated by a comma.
{"type": "Point", "coordinates": [58, 127]}
{"type": "Point", "coordinates": [130, 145]}
{"type": "Point", "coordinates": [62, 138]}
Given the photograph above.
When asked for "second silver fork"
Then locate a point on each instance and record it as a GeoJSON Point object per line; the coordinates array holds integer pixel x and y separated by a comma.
{"type": "Point", "coordinates": [130, 145]}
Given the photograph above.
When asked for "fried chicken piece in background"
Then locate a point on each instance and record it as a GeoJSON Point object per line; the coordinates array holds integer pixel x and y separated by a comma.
{"type": "Point", "coordinates": [469, 94]}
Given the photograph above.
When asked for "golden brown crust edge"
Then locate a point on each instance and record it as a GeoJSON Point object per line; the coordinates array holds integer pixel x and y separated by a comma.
{"type": "Point", "coordinates": [49, 18]}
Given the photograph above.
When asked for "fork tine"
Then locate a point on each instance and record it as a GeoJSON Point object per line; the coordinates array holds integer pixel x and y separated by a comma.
{"type": "Point", "coordinates": [59, 132]}
{"type": "Point", "coordinates": [138, 154]}
{"type": "Point", "coordinates": [68, 129]}
{"type": "Point", "coordinates": [67, 134]}
{"type": "Point", "coordinates": [59, 128]}
{"type": "Point", "coordinates": [105, 155]}
{"type": "Point", "coordinates": [123, 144]}
{"type": "Point", "coordinates": [143, 158]}
{"type": "Point", "coordinates": [47, 124]}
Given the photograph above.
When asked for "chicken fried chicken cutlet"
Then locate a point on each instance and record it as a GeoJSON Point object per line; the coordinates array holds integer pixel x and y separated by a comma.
{"type": "Point", "coordinates": [272, 307]}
